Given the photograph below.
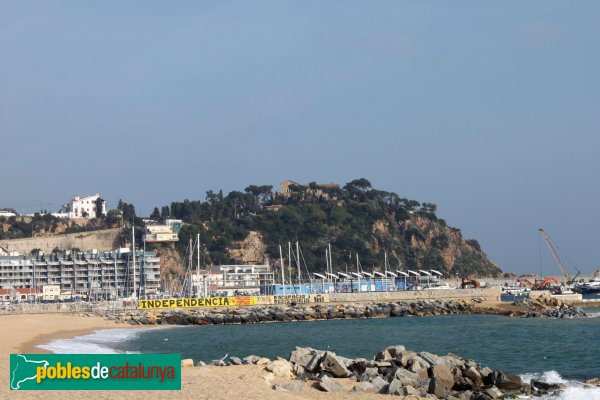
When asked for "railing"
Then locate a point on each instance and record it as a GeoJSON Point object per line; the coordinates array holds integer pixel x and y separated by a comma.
{"type": "Point", "coordinates": [70, 307]}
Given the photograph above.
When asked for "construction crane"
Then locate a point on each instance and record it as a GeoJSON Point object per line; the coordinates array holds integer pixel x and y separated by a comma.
{"type": "Point", "coordinates": [552, 248]}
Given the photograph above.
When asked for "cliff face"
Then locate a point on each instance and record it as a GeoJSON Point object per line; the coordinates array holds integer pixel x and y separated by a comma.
{"type": "Point", "coordinates": [417, 243]}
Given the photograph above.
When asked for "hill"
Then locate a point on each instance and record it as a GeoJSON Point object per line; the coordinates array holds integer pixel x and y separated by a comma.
{"type": "Point", "coordinates": [355, 219]}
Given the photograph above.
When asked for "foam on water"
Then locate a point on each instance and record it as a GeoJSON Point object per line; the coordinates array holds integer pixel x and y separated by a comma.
{"type": "Point", "coordinates": [575, 390]}
{"type": "Point", "coordinates": [99, 342]}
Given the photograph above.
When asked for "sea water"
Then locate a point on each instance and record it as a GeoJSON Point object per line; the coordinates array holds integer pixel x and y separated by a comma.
{"type": "Point", "coordinates": [554, 350]}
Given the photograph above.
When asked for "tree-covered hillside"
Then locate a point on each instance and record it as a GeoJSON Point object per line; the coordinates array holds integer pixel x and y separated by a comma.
{"type": "Point", "coordinates": [355, 219]}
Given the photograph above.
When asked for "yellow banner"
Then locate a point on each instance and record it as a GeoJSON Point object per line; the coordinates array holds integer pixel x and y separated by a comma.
{"type": "Point", "coordinates": [233, 301]}
{"type": "Point", "coordinates": [301, 298]}
{"type": "Point", "coordinates": [198, 303]}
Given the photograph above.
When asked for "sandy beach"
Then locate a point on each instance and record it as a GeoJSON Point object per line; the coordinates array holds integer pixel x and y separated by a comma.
{"type": "Point", "coordinates": [21, 333]}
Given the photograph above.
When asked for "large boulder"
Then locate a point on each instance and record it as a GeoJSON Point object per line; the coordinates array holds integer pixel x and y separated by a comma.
{"type": "Point", "coordinates": [506, 381]}
{"type": "Point", "coordinates": [365, 387]}
{"type": "Point", "coordinates": [404, 357]}
{"type": "Point", "coordinates": [394, 387]}
{"type": "Point", "coordinates": [380, 384]}
{"type": "Point", "coordinates": [407, 377]}
{"type": "Point", "coordinates": [334, 365]}
{"type": "Point", "coordinates": [441, 380]}
{"type": "Point", "coordinates": [327, 384]}
{"type": "Point", "coordinates": [474, 376]}
{"type": "Point", "coordinates": [280, 368]}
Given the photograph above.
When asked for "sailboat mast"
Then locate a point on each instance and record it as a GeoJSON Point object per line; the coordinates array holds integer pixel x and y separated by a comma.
{"type": "Point", "coordinates": [298, 262]}
{"type": "Point", "coordinates": [198, 267]}
{"type": "Point", "coordinates": [290, 262]}
{"type": "Point", "coordinates": [330, 262]}
{"type": "Point", "coordinates": [133, 249]}
{"type": "Point", "coordinates": [282, 273]}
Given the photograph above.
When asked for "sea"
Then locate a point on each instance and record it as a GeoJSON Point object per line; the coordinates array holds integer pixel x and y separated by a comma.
{"type": "Point", "coordinates": [553, 350]}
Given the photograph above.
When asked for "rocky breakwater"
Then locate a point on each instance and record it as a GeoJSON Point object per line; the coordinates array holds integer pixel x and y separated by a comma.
{"type": "Point", "coordinates": [549, 308]}
{"type": "Point", "coordinates": [279, 313]}
{"type": "Point", "coordinates": [397, 371]}
{"type": "Point", "coordinates": [394, 371]}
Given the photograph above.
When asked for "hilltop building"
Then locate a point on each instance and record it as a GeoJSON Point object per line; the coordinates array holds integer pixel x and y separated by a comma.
{"type": "Point", "coordinates": [286, 188]}
{"type": "Point", "coordinates": [162, 233]}
{"type": "Point", "coordinates": [82, 207]}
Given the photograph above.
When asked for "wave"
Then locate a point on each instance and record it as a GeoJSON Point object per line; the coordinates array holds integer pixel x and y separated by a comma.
{"type": "Point", "coordinates": [575, 390]}
{"type": "Point", "coordinates": [99, 342]}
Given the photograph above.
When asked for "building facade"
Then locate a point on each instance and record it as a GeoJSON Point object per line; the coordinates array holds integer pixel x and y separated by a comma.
{"type": "Point", "coordinates": [94, 275]}
{"type": "Point", "coordinates": [83, 207]}
{"type": "Point", "coordinates": [234, 280]}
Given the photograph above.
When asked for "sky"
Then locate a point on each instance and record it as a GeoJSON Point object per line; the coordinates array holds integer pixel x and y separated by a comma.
{"type": "Point", "coordinates": [488, 109]}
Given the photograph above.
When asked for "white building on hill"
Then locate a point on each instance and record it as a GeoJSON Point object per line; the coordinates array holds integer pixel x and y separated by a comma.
{"type": "Point", "coordinates": [83, 207]}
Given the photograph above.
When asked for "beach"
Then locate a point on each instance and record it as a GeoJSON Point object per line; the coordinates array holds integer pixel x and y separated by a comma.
{"type": "Point", "coordinates": [22, 333]}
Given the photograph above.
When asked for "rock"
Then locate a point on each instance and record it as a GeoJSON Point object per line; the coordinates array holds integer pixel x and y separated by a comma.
{"type": "Point", "coordinates": [547, 387]}
{"type": "Point", "coordinates": [280, 368]}
{"type": "Point", "coordinates": [493, 392]}
{"type": "Point", "coordinates": [408, 391]}
{"type": "Point", "coordinates": [395, 350]}
{"type": "Point", "coordinates": [251, 359]}
{"type": "Point", "coordinates": [474, 376]}
{"type": "Point", "coordinates": [487, 375]}
{"type": "Point", "coordinates": [263, 361]}
{"type": "Point", "coordinates": [438, 388]}
{"type": "Point", "coordinates": [416, 364]}
{"type": "Point", "coordinates": [407, 377]}
{"type": "Point", "coordinates": [380, 384]}
{"type": "Point", "coordinates": [327, 384]}
{"type": "Point", "coordinates": [289, 387]}
{"type": "Point", "coordinates": [593, 381]}
{"type": "Point", "coordinates": [187, 362]}
{"type": "Point", "coordinates": [359, 367]}
{"type": "Point", "coordinates": [462, 383]}
{"type": "Point", "coordinates": [404, 357]}
{"type": "Point", "coordinates": [432, 359]}
{"type": "Point", "coordinates": [443, 374]}
{"type": "Point", "coordinates": [235, 361]}
{"type": "Point", "coordinates": [383, 355]}
{"type": "Point", "coordinates": [201, 364]}
{"type": "Point", "coordinates": [301, 355]}
{"type": "Point", "coordinates": [507, 382]}
{"type": "Point", "coordinates": [365, 387]}
{"type": "Point", "coordinates": [394, 387]}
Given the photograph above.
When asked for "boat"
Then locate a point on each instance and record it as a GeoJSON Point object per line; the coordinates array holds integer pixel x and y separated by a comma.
{"type": "Point", "coordinates": [438, 286]}
{"type": "Point", "coordinates": [591, 286]}
{"type": "Point", "coordinates": [515, 289]}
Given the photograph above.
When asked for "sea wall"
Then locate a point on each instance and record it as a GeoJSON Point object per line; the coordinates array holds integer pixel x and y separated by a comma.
{"type": "Point", "coordinates": [489, 294]}
{"type": "Point", "coordinates": [102, 240]}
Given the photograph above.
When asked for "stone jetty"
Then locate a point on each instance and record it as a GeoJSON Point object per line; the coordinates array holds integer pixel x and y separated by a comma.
{"type": "Point", "coordinates": [399, 372]}
{"type": "Point", "coordinates": [282, 313]}
{"type": "Point", "coordinates": [329, 311]}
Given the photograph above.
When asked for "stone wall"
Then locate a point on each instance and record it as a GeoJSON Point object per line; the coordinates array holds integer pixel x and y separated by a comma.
{"type": "Point", "coordinates": [489, 294]}
{"type": "Point", "coordinates": [102, 240]}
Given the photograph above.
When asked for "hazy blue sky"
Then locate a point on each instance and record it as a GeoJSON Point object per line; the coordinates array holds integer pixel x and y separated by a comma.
{"type": "Point", "coordinates": [489, 109]}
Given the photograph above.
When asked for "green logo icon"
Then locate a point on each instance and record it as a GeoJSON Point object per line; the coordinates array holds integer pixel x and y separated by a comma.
{"type": "Point", "coordinates": [95, 371]}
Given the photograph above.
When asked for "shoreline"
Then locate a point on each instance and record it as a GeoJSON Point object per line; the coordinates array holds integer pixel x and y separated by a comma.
{"type": "Point", "coordinates": [248, 382]}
